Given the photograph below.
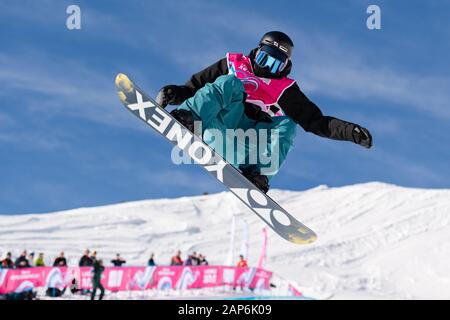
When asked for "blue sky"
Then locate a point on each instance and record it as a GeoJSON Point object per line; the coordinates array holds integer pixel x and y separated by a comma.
{"type": "Point", "coordinates": [66, 141]}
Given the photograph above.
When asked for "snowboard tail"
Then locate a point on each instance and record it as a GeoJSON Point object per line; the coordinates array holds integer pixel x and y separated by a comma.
{"type": "Point", "coordinates": [145, 108]}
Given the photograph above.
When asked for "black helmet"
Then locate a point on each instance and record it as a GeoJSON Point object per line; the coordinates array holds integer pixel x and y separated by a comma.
{"type": "Point", "coordinates": [272, 57]}
{"type": "Point", "coordinates": [278, 40]}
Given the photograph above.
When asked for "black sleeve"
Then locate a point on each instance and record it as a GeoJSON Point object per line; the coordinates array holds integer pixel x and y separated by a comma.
{"type": "Point", "coordinates": [308, 115]}
{"type": "Point", "coordinates": [207, 75]}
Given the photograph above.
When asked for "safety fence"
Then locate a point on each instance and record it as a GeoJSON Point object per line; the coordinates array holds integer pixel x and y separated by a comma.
{"type": "Point", "coordinates": [135, 278]}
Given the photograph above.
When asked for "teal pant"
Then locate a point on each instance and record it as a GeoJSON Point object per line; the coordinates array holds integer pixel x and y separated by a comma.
{"type": "Point", "coordinates": [240, 140]}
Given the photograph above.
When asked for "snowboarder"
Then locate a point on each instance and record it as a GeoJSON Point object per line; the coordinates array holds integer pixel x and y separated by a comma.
{"type": "Point", "coordinates": [254, 92]}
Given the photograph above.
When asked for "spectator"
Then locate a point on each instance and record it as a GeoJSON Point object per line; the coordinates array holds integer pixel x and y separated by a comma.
{"type": "Point", "coordinates": [31, 259]}
{"type": "Point", "coordinates": [195, 259]}
{"type": "Point", "coordinates": [85, 260]}
{"type": "Point", "coordinates": [7, 263]}
{"type": "Point", "coordinates": [192, 260]}
{"type": "Point", "coordinates": [118, 261]}
{"type": "Point", "coordinates": [74, 286]}
{"type": "Point", "coordinates": [202, 260]}
{"type": "Point", "coordinates": [176, 260]}
{"type": "Point", "coordinates": [27, 294]}
{"type": "Point", "coordinates": [242, 262]}
{"type": "Point", "coordinates": [151, 261]}
{"type": "Point", "coordinates": [93, 256]}
{"type": "Point", "coordinates": [22, 261]}
{"type": "Point", "coordinates": [96, 279]}
{"type": "Point", "coordinates": [188, 261]}
{"type": "Point", "coordinates": [60, 261]}
{"type": "Point", "coordinates": [40, 260]}
{"type": "Point", "coordinates": [54, 292]}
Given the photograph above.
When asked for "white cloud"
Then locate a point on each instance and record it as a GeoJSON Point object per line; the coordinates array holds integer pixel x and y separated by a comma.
{"type": "Point", "coordinates": [35, 141]}
{"type": "Point", "coordinates": [61, 88]}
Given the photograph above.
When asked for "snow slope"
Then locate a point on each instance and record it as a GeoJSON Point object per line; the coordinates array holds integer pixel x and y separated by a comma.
{"type": "Point", "coordinates": [375, 240]}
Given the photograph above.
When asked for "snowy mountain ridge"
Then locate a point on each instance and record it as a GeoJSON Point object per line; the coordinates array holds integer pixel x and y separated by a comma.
{"type": "Point", "coordinates": [375, 240]}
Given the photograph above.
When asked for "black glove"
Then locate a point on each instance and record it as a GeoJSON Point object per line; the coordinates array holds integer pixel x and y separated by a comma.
{"type": "Point", "coordinates": [172, 94]}
{"type": "Point", "coordinates": [252, 111]}
{"type": "Point", "coordinates": [253, 174]}
{"type": "Point", "coordinates": [362, 136]}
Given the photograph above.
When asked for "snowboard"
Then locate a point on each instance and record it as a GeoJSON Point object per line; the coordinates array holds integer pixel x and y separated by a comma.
{"type": "Point", "coordinates": [148, 110]}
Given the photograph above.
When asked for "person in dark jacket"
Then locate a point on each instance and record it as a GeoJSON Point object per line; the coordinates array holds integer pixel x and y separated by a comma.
{"type": "Point", "coordinates": [192, 260]}
{"type": "Point", "coordinates": [195, 259]}
{"type": "Point", "coordinates": [86, 260]}
{"type": "Point", "coordinates": [60, 261]}
{"type": "Point", "coordinates": [93, 256]}
{"type": "Point", "coordinates": [7, 263]}
{"type": "Point", "coordinates": [22, 261]}
{"type": "Point", "coordinates": [55, 292]}
{"type": "Point", "coordinates": [189, 261]}
{"type": "Point", "coordinates": [96, 279]}
{"type": "Point", "coordinates": [254, 92]}
{"type": "Point", "coordinates": [202, 260]}
{"type": "Point", "coordinates": [151, 261]}
{"type": "Point", "coordinates": [118, 261]}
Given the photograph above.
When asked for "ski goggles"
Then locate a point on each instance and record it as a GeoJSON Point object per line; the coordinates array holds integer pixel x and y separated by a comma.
{"type": "Point", "coordinates": [273, 59]}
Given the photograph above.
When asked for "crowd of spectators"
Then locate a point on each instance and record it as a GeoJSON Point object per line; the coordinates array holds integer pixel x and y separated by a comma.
{"type": "Point", "coordinates": [192, 259]}
{"type": "Point", "coordinates": [28, 261]}
{"type": "Point", "coordinates": [89, 258]}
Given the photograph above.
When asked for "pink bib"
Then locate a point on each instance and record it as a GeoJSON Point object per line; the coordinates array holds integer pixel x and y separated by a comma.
{"type": "Point", "coordinates": [260, 91]}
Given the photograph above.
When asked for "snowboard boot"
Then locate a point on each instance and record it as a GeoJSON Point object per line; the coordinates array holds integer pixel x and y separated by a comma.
{"type": "Point", "coordinates": [185, 117]}
{"type": "Point", "coordinates": [252, 173]}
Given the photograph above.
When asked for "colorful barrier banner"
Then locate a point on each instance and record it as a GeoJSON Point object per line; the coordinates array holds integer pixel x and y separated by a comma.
{"type": "Point", "coordinates": [135, 278]}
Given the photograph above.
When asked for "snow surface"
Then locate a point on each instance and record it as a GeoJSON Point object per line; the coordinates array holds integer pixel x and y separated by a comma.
{"type": "Point", "coordinates": [375, 240]}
